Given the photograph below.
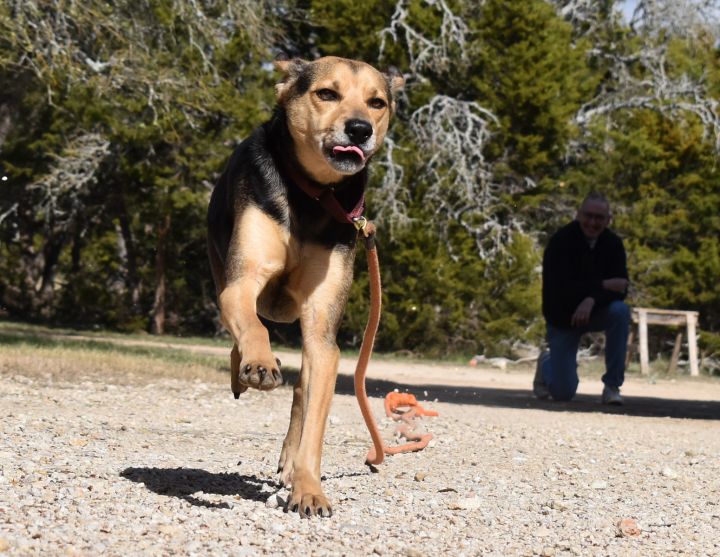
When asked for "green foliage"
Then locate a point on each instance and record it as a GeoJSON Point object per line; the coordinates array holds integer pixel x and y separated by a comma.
{"type": "Point", "coordinates": [348, 28]}
{"type": "Point", "coordinates": [172, 94]}
{"type": "Point", "coordinates": [529, 72]}
{"type": "Point", "coordinates": [439, 304]}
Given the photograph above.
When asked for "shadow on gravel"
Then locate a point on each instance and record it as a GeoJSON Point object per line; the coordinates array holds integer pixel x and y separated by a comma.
{"type": "Point", "coordinates": [524, 399]}
{"type": "Point", "coordinates": [185, 483]}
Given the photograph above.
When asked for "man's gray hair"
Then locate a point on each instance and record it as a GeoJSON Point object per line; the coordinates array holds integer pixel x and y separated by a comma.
{"type": "Point", "coordinates": [596, 196]}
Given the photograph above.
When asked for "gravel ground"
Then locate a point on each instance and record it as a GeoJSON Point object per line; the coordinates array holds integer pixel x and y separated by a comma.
{"type": "Point", "coordinates": [153, 465]}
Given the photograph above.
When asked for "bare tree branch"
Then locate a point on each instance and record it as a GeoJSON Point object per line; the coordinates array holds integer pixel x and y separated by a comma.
{"type": "Point", "coordinates": [12, 210]}
{"type": "Point", "coordinates": [645, 79]}
{"type": "Point", "coordinates": [70, 177]}
{"type": "Point", "coordinates": [451, 135]}
{"type": "Point", "coordinates": [680, 18]}
{"type": "Point", "coordinates": [65, 42]}
{"type": "Point", "coordinates": [586, 16]}
{"type": "Point", "coordinates": [426, 54]}
{"type": "Point", "coordinates": [392, 198]}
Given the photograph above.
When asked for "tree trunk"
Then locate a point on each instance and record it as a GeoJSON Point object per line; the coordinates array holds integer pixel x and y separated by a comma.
{"type": "Point", "coordinates": [51, 255]}
{"type": "Point", "coordinates": [158, 311]}
{"type": "Point", "coordinates": [128, 254]}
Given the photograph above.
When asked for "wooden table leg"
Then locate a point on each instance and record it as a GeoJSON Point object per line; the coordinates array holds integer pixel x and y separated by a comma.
{"type": "Point", "coordinates": [675, 354]}
{"type": "Point", "coordinates": [643, 341]}
{"type": "Point", "coordinates": [692, 344]}
{"type": "Point", "coordinates": [630, 347]}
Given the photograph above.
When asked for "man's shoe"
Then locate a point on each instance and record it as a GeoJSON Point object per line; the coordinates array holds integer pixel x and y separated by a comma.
{"type": "Point", "coordinates": [611, 395]}
{"type": "Point", "coordinates": [539, 387]}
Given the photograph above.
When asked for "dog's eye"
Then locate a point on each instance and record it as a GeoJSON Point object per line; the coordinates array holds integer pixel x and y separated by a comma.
{"type": "Point", "coordinates": [327, 95]}
{"type": "Point", "coordinates": [377, 103]}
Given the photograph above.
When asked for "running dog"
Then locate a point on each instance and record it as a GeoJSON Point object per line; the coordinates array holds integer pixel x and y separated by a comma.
{"type": "Point", "coordinates": [281, 241]}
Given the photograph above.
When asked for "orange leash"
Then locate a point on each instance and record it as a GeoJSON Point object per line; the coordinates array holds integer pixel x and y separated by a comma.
{"type": "Point", "coordinates": [377, 452]}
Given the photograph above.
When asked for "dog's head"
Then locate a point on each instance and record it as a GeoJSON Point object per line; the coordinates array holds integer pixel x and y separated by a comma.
{"type": "Point", "coordinates": [338, 112]}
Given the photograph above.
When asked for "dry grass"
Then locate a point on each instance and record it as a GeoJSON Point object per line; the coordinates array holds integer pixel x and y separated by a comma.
{"type": "Point", "coordinates": [72, 361]}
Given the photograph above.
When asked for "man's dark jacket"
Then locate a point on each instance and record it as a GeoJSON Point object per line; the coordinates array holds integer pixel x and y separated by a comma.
{"type": "Point", "coordinates": [572, 271]}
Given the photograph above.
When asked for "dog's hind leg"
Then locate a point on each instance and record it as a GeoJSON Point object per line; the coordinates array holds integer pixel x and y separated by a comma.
{"type": "Point", "coordinates": [235, 386]}
{"type": "Point", "coordinates": [292, 439]}
{"type": "Point", "coordinates": [326, 286]}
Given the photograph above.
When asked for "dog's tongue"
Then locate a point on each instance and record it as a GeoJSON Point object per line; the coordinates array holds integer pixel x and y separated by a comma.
{"type": "Point", "coordinates": [350, 148]}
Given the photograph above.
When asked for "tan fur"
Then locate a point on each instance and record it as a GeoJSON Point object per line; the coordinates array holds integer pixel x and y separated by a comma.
{"type": "Point", "coordinates": [269, 272]}
{"type": "Point", "coordinates": [312, 121]}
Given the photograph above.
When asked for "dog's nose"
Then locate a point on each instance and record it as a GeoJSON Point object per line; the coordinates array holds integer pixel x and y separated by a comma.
{"type": "Point", "coordinates": [358, 130]}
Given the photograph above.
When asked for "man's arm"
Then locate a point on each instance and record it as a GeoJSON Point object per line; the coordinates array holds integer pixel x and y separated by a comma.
{"type": "Point", "coordinates": [615, 287]}
{"type": "Point", "coordinates": [582, 313]}
{"type": "Point", "coordinates": [617, 284]}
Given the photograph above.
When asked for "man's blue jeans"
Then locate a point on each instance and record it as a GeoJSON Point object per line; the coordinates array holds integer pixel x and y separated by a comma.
{"type": "Point", "coordinates": [560, 368]}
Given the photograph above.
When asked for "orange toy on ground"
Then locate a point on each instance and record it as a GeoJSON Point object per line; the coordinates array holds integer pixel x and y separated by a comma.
{"type": "Point", "coordinates": [394, 400]}
{"type": "Point", "coordinates": [418, 441]}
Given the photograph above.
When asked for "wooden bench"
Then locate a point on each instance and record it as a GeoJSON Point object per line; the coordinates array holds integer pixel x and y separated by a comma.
{"type": "Point", "coordinates": [649, 316]}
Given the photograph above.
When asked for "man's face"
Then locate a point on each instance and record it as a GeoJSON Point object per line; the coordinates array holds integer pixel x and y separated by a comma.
{"type": "Point", "coordinates": [593, 216]}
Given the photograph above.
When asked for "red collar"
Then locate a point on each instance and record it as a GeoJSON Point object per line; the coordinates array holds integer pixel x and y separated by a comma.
{"type": "Point", "coordinates": [326, 197]}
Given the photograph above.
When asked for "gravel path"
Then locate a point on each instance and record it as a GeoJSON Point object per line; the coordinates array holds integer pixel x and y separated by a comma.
{"type": "Point", "coordinates": [155, 465]}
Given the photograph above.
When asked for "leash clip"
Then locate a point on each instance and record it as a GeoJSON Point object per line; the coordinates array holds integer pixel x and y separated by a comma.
{"type": "Point", "coordinates": [360, 223]}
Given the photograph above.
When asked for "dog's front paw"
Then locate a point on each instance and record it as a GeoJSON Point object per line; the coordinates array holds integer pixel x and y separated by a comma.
{"type": "Point", "coordinates": [308, 499]}
{"type": "Point", "coordinates": [260, 374]}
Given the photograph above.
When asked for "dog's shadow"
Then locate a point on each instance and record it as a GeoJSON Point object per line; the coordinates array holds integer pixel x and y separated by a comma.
{"type": "Point", "coordinates": [186, 483]}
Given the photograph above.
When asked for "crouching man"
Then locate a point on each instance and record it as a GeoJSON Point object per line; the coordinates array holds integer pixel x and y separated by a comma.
{"type": "Point", "coordinates": [585, 280]}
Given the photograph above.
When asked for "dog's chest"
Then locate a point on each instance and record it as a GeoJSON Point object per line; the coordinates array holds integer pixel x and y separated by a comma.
{"type": "Point", "coordinates": [312, 273]}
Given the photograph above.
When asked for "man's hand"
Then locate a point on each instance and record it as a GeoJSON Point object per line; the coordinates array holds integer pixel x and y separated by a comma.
{"type": "Point", "coordinates": [582, 313]}
{"type": "Point", "coordinates": [615, 284]}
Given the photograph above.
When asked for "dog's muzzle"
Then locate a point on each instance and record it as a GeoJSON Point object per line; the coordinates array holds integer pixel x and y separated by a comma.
{"type": "Point", "coordinates": [351, 147]}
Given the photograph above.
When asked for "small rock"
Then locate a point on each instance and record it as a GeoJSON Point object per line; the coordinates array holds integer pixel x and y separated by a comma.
{"type": "Point", "coordinates": [420, 476]}
{"type": "Point", "coordinates": [599, 484]}
{"type": "Point", "coordinates": [466, 504]}
{"type": "Point", "coordinates": [547, 552]}
{"type": "Point", "coordinates": [669, 472]}
{"type": "Point", "coordinates": [170, 530]}
{"type": "Point", "coordinates": [4, 545]}
{"type": "Point", "coordinates": [628, 528]}
{"type": "Point", "coordinates": [277, 527]}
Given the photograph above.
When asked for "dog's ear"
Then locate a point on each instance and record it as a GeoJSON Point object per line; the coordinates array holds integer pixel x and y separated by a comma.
{"type": "Point", "coordinates": [395, 80]}
{"type": "Point", "coordinates": [291, 70]}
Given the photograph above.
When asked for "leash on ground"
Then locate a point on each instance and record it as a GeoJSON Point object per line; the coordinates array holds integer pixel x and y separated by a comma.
{"type": "Point", "coordinates": [377, 452]}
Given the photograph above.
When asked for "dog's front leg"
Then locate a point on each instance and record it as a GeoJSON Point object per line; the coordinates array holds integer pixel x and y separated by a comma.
{"type": "Point", "coordinates": [257, 366]}
{"type": "Point", "coordinates": [325, 288]}
{"type": "Point", "coordinates": [320, 363]}
{"type": "Point", "coordinates": [257, 253]}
